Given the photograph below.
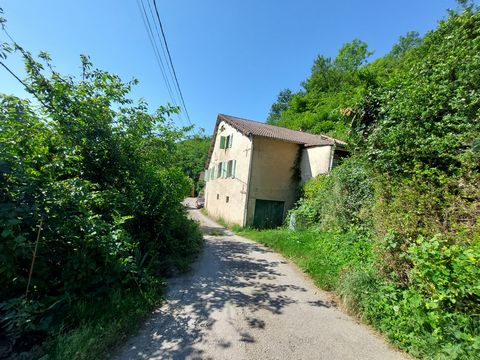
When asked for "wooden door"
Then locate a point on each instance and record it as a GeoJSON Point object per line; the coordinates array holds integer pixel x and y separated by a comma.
{"type": "Point", "coordinates": [268, 214]}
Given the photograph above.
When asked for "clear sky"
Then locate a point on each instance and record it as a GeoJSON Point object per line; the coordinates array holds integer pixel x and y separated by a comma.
{"type": "Point", "coordinates": [231, 56]}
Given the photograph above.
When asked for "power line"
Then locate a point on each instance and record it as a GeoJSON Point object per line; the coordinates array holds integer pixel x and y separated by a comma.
{"type": "Point", "coordinates": [28, 88]}
{"type": "Point", "coordinates": [161, 43]}
{"type": "Point", "coordinates": [156, 52]}
{"type": "Point", "coordinates": [171, 62]}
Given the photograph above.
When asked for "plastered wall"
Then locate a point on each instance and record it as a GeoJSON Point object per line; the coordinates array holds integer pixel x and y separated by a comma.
{"type": "Point", "coordinates": [217, 190]}
{"type": "Point", "coordinates": [271, 177]}
{"type": "Point", "coordinates": [315, 161]}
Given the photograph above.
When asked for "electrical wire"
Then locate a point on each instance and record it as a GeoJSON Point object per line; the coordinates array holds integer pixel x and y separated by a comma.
{"type": "Point", "coordinates": [156, 52]}
{"type": "Point", "coordinates": [170, 60]}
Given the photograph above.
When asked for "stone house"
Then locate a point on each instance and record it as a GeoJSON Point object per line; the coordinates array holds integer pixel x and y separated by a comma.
{"type": "Point", "coordinates": [253, 169]}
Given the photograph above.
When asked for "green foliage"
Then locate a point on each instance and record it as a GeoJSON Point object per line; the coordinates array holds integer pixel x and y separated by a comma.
{"type": "Point", "coordinates": [317, 252]}
{"type": "Point", "coordinates": [428, 115]}
{"type": "Point", "coordinates": [191, 157]}
{"type": "Point", "coordinates": [412, 186]}
{"type": "Point", "coordinates": [352, 55]}
{"type": "Point", "coordinates": [98, 174]}
{"type": "Point", "coordinates": [339, 200]}
{"type": "Point", "coordinates": [279, 106]}
{"type": "Point", "coordinates": [100, 326]}
{"type": "Point", "coordinates": [332, 88]}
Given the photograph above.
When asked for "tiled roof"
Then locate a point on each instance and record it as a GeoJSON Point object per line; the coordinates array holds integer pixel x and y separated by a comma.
{"type": "Point", "coordinates": [249, 127]}
{"type": "Point", "coordinates": [254, 128]}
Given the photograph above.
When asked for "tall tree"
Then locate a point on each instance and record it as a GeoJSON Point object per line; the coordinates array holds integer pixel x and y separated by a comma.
{"type": "Point", "coordinates": [281, 105]}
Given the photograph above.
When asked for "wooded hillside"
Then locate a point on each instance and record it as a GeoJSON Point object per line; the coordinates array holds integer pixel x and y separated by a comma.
{"type": "Point", "coordinates": [410, 191]}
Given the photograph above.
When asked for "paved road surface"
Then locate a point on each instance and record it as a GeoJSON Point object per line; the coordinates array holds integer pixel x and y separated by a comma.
{"type": "Point", "coordinates": [242, 301]}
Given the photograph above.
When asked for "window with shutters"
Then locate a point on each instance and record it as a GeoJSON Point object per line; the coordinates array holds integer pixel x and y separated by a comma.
{"type": "Point", "coordinates": [231, 168]}
{"type": "Point", "coordinates": [228, 141]}
{"type": "Point", "coordinates": [224, 170]}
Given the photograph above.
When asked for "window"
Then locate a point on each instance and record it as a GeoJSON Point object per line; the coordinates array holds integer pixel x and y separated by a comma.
{"type": "Point", "coordinates": [219, 170]}
{"type": "Point", "coordinates": [226, 141]}
{"type": "Point", "coordinates": [218, 196]}
{"type": "Point", "coordinates": [227, 199]}
{"type": "Point", "coordinates": [229, 141]}
{"type": "Point", "coordinates": [231, 168]}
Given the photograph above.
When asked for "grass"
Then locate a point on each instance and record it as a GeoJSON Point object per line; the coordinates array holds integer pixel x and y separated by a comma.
{"type": "Point", "coordinates": [323, 255]}
{"type": "Point", "coordinates": [346, 263]}
{"type": "Point", "coordinates": [101, 325]}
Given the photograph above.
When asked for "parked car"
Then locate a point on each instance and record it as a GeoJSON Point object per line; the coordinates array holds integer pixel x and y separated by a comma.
{"type": "Point", "coordinates": [200, 201]}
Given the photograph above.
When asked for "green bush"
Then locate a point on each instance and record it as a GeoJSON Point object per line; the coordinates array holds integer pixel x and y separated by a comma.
{"type": "Point", "coordinates": [92, 175]}
{"type": "Point", "coordinates": [339, 200]}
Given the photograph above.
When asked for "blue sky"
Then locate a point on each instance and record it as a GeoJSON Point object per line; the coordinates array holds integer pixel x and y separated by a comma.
{"type": "Point", "coordinates": [231, 56]}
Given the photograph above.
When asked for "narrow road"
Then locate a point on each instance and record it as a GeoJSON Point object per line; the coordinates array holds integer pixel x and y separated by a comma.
{"type": "Point", "coordinates": [243, 301]}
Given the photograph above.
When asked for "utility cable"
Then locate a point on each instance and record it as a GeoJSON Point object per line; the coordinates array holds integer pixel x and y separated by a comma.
{"type": "Point", "coordinates": [171, 62]}
{"type": "Point", "coordinates": [156, 52]}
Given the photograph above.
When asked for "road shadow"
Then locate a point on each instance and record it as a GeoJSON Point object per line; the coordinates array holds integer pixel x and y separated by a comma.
{"type": "Point", "coordinates": [225, 275]}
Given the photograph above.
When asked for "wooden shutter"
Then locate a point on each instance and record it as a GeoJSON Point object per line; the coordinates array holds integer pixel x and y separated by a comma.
{"type": "Point", "coordinates": [222, 142]}
{"type": "Point", "coordinates": [234, 164]}
{"type": "Point", "coordinates": [230, 142]}
{"type": "Point", "coordinates": [224, 170]}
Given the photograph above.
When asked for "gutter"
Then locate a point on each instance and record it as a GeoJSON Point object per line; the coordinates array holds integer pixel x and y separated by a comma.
{"type": "Point", "coordinates": [247, 198]}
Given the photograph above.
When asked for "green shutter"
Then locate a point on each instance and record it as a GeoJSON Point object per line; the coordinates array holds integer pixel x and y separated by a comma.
{"type": "Point", "coordinates": [224, 170]}
{"type": "Point", "coordinates": [230, 142]}
{"type": "Point", "coordinates": [234, 164]}
{"type": "Point", "coordinates": [222, 142]}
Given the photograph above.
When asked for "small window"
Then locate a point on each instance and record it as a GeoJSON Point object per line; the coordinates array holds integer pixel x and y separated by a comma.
{"type": "Point", "coordinates": [227, 199]}
{"type": "Point", "coordinates": [218, 196]}
{"type": "Point", "coordinates": [224, 170]}
{"type": "Point", "coordinates": [228, 142]}
{"type": "Point", "coordinates": [231, 168]}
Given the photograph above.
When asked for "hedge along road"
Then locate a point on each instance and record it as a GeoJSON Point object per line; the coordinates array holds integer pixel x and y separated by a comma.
{"type": "Point", "coordinates": [243, 301]}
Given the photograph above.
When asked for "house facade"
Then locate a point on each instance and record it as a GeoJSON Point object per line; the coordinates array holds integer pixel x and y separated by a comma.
{"type": "Point", "coordinates": [253, 169]}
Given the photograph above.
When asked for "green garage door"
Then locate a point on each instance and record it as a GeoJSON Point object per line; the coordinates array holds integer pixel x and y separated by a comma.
{"type": "Point", "coordinates": [268, 214]}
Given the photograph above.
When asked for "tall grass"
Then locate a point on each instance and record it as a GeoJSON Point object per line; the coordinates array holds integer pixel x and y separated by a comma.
{"type": "Point", "coordinates": [101, 325]}
{"type": "Point", "coordinates": [325, 256]}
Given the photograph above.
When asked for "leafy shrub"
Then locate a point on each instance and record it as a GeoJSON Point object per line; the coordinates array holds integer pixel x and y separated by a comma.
{"type": "Point", "coordinates": [427, 204]}
{"type": "Point", "coordinates": [339, 200]}
{"type": "Point", "coordinates": [428, 113]}
{"type": "Point", "coordinates": [413, 179]}
{"type": "Point", "coordinates": [92, 176]}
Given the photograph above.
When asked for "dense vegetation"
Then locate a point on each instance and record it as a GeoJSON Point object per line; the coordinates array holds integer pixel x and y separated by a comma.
{"type": "Point", "coordinates": [395, 229]}
{"type": "Point", "coordinates": [191, 156]}
{"type": "Point", "coordinates": [90, 211]}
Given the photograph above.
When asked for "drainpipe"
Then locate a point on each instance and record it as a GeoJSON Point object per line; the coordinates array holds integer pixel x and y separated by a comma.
{"type": "Point", "coordinates": [247, 198]}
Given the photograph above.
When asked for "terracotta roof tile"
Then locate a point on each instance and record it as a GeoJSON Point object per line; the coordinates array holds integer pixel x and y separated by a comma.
{"type": "Point", "coordinates": [254, 128]}
{"type": "Point", "coordinates": [249, 127]}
